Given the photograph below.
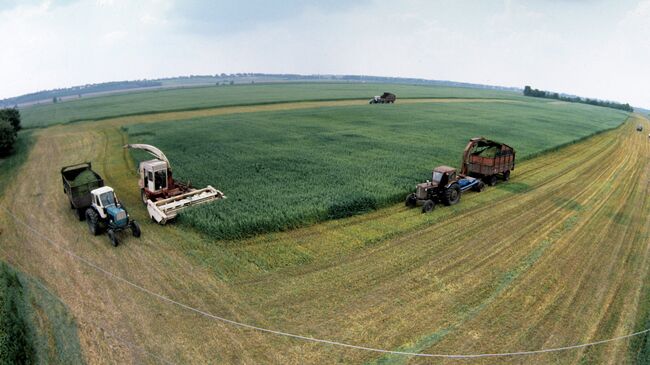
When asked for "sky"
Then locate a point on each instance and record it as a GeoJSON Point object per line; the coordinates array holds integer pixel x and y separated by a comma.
{"type": "Point", "coordinates": [591, 48]}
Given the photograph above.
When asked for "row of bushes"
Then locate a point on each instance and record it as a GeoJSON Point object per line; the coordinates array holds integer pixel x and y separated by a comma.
{"type": "Point", "coordinates": [9, 127]}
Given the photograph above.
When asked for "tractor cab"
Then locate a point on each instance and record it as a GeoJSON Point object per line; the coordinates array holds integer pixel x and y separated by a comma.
{"type": "Point", "coordinates": [105, 203]}
{"type": "Point", "coordinates": [154, 175]}
{"type": "Point", "coordinates": [442, 175]}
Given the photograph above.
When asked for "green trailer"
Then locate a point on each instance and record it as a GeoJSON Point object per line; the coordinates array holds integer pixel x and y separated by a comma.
{"type": "Point", "coordinates": [78, 181]}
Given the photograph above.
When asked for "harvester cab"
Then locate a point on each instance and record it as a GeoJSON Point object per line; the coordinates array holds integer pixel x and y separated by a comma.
{"type": "Point", "coordinates": [154, 176]}
{"type": "Point", "coordinates": [106, 212]}
{"type": "Point", "coordinates": [163, 196]}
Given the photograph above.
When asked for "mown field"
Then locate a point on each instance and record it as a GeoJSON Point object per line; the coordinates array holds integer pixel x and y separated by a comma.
{"type": "Point", "coordinates": [286, 169]}
{"type": "Point", "coordinates": [35, 327]}
{"type": "Point", "coordinates": [205, 97]}
{"type": "Point", "coordinates": [558, 256]}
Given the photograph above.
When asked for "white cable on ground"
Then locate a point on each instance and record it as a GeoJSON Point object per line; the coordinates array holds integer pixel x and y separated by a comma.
{"type": "Point", "coordinates": [307, 338]}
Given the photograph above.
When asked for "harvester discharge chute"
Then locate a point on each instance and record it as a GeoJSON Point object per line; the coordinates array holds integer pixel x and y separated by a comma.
{"type": "Point", "coordinates": [163, 196]}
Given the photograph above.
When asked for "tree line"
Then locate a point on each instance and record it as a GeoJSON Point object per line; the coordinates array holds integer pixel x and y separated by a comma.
{"type": "Point", "coordinates": [9, 127]}
{"type": "Point", "coordinates": [528, 91]}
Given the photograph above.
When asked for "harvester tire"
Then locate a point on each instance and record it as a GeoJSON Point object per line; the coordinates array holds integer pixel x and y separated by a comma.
{"type": "Point", "coordinates": [135, 229]}
{"type": "Point", "coordinates": [92, 218]}
{"type": "Point", "coordinates": [143, 197]}
{"type": "Point", "coordinates": [79, 212]}
{"type": "Point", "coordinates": [491, 180]}
{"type": "Point", "coordinates": [506, 175]}
{"type": "Point", "coordinates": [113, 237]}
{"type": "Point", "coordinates": [451, 195]}
{"type": "Point", "coordinates": [411, 200]}
{"type": "Point", "coordinates": [428, 206]}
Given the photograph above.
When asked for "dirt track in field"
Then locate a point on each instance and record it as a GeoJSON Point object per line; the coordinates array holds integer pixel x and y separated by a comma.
{"type": "Point", "coordinates": [555, 257]}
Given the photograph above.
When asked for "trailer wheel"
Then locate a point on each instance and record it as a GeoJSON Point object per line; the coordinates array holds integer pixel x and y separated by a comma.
{"type": "Point", "coordinates": [479, 187]}
{"type": "Point", "coordinates": [506, 175]}
{"type": "Point", "coordinates": [451, 195]}
{"type": "Point", "coordinates": [92, 218]}
{"type": "Point", "coordinates": [113, 237]}
{"type": "Point", "coordinates": [135, 229]}
{"type": "Point", "coordinates": [411, 200]}
{"type": "Point", "coordinates": [79, 212]}
{"type": "Point", "coordinates": [491, 180]}
{"type": "Point", "coordinates": [428, 206]}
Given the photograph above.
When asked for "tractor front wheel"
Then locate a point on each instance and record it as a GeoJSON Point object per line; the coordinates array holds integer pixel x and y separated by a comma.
{"type": "Point", "coordinates": [113, 237]}
{"type": "Point", "coordinates": [479, 187]}
{"type": "Point", "coordinates": [92, 218]}
{"type": "Point", "coordinates": [135, 229]}
{"type": "Point", "coordinates": [428, 206]}
{"type": "Point", "coordinates": [411, 200]}
{"type": "Point", "coordinates": [451, 195]}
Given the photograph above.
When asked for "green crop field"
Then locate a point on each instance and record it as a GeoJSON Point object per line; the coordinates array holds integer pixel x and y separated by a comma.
{"type": "Point", "coordinates": [205, 97]}
{"type": "Point", "coordinates": [292, 168]}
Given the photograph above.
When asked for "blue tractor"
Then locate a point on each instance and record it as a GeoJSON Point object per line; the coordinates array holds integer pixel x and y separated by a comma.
{"type": "Point", "coordinates": [106, 213]}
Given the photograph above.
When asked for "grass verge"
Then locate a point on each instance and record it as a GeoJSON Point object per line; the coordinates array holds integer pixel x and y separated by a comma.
{"type": "Point", "coordinates": [34, 325]}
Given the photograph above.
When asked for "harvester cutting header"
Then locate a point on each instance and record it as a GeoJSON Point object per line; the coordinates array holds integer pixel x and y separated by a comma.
{"type": "Point", "coordinates": [163, 196]}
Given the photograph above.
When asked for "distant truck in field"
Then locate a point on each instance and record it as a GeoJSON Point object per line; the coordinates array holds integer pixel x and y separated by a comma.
{"type": "Point", "coordinates": [385, 98]}
{"type": "Point", "coordinates": [487, 160]}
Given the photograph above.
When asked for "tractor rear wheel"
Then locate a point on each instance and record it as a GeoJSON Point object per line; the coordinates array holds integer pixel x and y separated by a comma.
{"type": "Point", "coordinates": [135, 229]}
{"type": "Point", "coordinates": [411, 200]}
{"type": "Point", "coordinates": [506, 175]}
{"type": "Point", "coordinates": [113, 237]}
{"type": "Point", "coordinates": [428, 206]}
{"type": "Point", "coordinates": [451, 195]}
{"type": "Point", "coordinates": [491, 180]}
{"type": "Point", "coordinates": [92, 218]}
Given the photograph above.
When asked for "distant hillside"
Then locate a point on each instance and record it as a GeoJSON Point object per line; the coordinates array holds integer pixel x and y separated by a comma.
{"type": "Point", "coordinates": [76, 92]}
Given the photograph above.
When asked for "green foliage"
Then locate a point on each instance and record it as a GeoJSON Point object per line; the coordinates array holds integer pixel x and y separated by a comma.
{"type": "Point", "coordinates": [8, 137]}
{"type": "Point", "coordinates": [12, 115]}
{"type": "Point", "coordinates": [286, 169]}
{"type": "Point", "coordinates": [16, 342]}
{"type": "Point", "coordinates": [84, 177]}
{"type": "Point", "coordinates": [205, 97]}
{"type": "Point", "coordinates": [9, 165]}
